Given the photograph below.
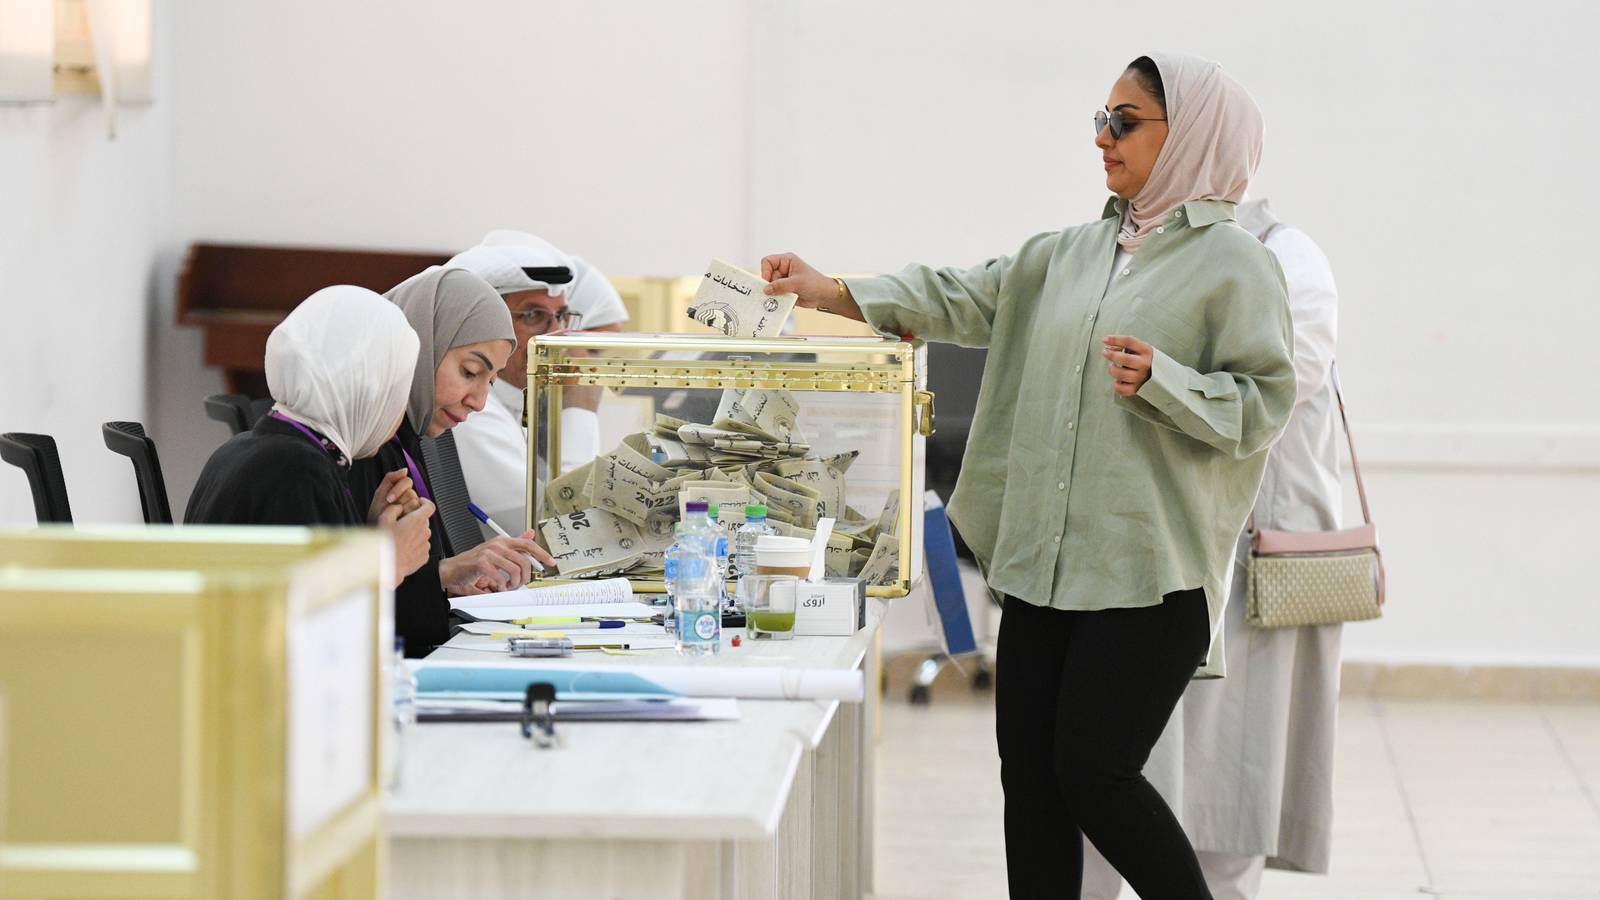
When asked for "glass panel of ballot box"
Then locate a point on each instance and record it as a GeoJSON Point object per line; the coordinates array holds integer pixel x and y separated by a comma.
{"type": "Point", "coordinates": [812, 428]}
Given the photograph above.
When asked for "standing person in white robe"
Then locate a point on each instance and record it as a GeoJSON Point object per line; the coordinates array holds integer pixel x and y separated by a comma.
{"type": "Point", "coordinates": [1247, 761]}
{"type": "Point", "coordinates": [547, 291]}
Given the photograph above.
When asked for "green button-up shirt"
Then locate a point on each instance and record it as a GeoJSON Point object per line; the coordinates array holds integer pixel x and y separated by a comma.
{"type": "Point", "coordinates": [1071, 496]}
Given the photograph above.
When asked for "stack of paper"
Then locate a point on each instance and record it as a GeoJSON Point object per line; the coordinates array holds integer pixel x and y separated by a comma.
{"type": "Point", "coordinates": [611, 598]}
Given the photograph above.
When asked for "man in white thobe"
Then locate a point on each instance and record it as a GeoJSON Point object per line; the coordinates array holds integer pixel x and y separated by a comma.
{"type": "Point", "coordinates": [547, 291]}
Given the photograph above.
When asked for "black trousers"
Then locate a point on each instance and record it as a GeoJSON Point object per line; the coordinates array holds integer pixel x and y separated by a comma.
{"type": "Point", "coordinates": [1080, 698]}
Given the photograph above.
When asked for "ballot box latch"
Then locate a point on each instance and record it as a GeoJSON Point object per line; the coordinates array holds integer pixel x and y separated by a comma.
{"type": "Point", "coordinates": [923, 400]}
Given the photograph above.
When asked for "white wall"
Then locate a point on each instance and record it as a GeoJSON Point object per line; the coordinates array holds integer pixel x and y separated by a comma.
{"type": "Point", "coordinates": [613, 129]}
{"type": "Point", "coordinates": [80, 220]}
{"type": "Point", "coordinates": [1441, 154]}
{"type": "Point", "coordinates": [1426, 147]}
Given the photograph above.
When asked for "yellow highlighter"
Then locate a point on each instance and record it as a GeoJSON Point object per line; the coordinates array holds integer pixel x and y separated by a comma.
{"type": "Point", "coordinates": [570, 623]}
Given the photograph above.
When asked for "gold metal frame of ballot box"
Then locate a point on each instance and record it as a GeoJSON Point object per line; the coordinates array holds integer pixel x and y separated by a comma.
{"type": "Point", "coordinates": [877, 365]}
{"type": "Point", "coordinates": [146, 676]}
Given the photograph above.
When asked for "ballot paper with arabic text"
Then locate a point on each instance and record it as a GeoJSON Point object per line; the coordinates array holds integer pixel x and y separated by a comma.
{"type": "Point", "coordinates": [730, 300]}
{"type": "Point", "coordinates": [592, 540]}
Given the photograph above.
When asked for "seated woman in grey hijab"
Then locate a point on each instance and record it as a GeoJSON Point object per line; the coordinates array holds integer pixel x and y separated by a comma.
{"type": "Point", "coordinates": [339, 369]}
{"type": "Point", "coordinates": [465, 338]}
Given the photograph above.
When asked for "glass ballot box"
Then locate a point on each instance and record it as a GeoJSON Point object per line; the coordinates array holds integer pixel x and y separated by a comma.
{"type": "Point", "coordinates": [812, 427]}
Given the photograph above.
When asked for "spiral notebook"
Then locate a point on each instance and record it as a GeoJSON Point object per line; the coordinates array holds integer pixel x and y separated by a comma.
{"type": "Point", "coordinates": [609, 597]}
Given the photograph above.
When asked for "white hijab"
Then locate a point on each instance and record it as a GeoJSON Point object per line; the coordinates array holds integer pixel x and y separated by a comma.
{"type": "Point", "coordinates": [341, 363]}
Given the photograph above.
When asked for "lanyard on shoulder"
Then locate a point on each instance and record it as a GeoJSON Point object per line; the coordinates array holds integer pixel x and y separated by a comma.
{"type": "Point", "coordinates": [420, 485]}
{"type": "Point", "coordinates": [311, 436]}
{"type": "Point", "coordinates": [314, 438]}
{"type": "Point", "coordinates": [417, 481]}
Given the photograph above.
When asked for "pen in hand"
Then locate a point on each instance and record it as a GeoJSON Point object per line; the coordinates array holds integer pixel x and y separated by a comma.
{"type": "Point", "coordinates": [483, 517]}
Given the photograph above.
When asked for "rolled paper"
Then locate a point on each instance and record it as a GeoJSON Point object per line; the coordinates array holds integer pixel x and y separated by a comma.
{"type": "Point", "coordinates": [509, 679]}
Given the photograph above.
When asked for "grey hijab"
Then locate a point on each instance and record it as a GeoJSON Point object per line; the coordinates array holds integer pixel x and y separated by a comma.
{"type": "Point", "coordinates": [446, 308]}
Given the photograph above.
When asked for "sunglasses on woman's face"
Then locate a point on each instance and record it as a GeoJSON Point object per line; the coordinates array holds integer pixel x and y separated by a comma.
{"type": "Point", "coordinates": [1120, 124]}
{"type": "Point", "coordinates": [542, 320]}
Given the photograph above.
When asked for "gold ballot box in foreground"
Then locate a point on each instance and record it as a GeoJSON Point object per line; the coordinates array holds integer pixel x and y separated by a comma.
{"type": "Point", "coordinates": [193, 712]}
{"type": "Point", "coordinates": [812, 427]}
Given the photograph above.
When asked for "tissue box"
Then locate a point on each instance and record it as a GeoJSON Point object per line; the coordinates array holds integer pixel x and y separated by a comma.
{"type": "Point", "coordinates": [832, 607]}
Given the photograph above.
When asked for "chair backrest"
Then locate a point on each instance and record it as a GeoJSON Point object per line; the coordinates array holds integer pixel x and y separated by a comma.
{"type": "Point", "coordinates": [129, 439]}
{"type": "Point", "coordinates": [232, 410]}
{"type": "Point", "coordinates": [461, 528]}
{"type": "Point", "coordinates": [259, 407]}
{"type": "Point", "coordinates": [35, 455]}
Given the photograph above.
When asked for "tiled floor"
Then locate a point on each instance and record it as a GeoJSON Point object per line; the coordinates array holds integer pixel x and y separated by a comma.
{"type": "Point", "coordinates": [1449, 799]}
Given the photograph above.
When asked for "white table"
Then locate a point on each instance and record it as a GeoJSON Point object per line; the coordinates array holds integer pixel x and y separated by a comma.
{"type": "Point", "coordinates": [776, 804]}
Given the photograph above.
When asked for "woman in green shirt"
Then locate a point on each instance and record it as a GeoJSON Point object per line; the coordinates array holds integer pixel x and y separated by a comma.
{"type": "Point", "coordinates": [1138, 369]}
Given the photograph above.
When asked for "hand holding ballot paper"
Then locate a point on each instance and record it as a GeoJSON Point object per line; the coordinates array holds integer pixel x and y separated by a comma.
{"type": "Point", "coordinates": [790, 275]}
{"type": "Point", "coordinates": [734, 302]}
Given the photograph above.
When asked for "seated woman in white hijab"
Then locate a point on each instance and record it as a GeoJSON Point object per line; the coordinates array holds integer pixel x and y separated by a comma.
{"type": "Point", "coordinates": [339, 367]}
{"type": "Point", "coordinates": [465, 337]}
{"type": "Point", "coordinates": [547, 291]}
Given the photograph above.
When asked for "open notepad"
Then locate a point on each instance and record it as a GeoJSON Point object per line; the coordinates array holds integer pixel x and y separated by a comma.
{"type": "Point", "coordinates": [607, 598]}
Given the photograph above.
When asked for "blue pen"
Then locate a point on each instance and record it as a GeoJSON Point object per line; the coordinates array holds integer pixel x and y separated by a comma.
{"type": "Point", "coordinates": [483, 517]}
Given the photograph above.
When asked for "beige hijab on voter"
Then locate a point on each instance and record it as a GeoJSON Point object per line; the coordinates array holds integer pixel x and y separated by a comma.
{"type": "Point", "coordinates": [1214, 134]}
{"type": "Point", "coordinates": [341, 363]}
{"type": "Point", "coordinates": [447, 308]}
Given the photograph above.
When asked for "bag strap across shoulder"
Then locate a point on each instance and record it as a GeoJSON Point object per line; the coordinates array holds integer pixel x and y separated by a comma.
{"type": "Point", "coordinates": [1350, 439]}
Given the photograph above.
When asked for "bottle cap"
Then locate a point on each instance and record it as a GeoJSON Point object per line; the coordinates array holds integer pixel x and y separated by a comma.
{"type": "Point", "coordinates": [696, 506]}
{"type": "Point", "coordinates": [752, 510]}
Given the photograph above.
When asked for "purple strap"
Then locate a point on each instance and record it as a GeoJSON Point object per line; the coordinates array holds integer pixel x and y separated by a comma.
{"type": "Point", "coordinates": [416, 472]}
{"type": "Point", "coordinates": [313, 437]}
{"type": "Point", "coordinates": [421, 486]}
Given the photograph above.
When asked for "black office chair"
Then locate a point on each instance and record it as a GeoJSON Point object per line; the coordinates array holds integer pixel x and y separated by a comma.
{"type": "Point", "coordinates": [232, 410]}
{"type": "Point", "coordinates": [35, 455]}
{"type": "Point", "coordinates": [462, 530]}
{"type": "Point", "coordinates": [129, 439]}
{"type": "Point", "coordinates": [259, 407]}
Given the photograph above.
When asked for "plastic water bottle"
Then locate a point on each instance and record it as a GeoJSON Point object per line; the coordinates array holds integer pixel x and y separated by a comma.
{"type": "Point", "coordinates": [403, 699]}
{"type": "Point", "coordinates": [744, 545]}
{"type": "Point", "coordinates": [723, 548]}
{"type": "Point", "coordinates": [697, 593]}
{"type": "Point", "coordinates": [669, 577]}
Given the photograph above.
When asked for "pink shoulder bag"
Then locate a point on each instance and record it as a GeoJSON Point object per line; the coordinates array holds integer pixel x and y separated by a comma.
{"type": "Point", "coordinates": [1317, 577]}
